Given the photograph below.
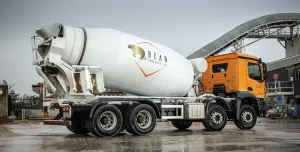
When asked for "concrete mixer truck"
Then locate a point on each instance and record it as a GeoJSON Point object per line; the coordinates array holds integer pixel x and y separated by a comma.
{"type": "Point", "coordinates": [79, 64]}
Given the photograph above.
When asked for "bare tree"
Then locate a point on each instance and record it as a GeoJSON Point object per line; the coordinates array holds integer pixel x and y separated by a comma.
{"type": "Point", "coordinates": [11, 91]}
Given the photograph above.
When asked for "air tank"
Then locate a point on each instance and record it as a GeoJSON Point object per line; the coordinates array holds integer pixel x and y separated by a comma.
{"type": "Point", "coordinates": [129, 63]}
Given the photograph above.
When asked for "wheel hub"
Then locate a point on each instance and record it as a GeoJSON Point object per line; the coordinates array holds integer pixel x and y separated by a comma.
{"type": "Point", "coordinates": [108, 120]}
{"type": "Point", "coordinates": [105, 120]}
{"type": "Point", "coordinates": [216, 117]}
{"type": "Point", "coordinates": [247, 117]}
{"type": "Point", "coordinates": [141, 119]}
{"type": "Point", "coordinates": [144, 119]}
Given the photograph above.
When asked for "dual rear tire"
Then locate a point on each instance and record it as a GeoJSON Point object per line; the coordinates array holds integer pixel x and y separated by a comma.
{"type": "Point", "coordinates": [77, 125]}
{"type": "Point", "coordinates": [76, 128]}
{"type": "Point", "coordinates": [108, 120]}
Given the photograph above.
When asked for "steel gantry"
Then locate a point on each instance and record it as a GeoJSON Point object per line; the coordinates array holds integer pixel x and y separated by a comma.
{"type": "Point", "coordinates": [281, 26]}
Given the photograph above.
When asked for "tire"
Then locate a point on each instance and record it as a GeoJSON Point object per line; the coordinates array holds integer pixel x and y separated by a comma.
{"type": "Point", "coordinates": [181, 125]}
{"type": "Point", "coordinates": [206, 127]}
{"type": "Point", "coordinates": [122, 129]}
{"type": "Point", "coordinates": [126, 120]}
{"type": "Point", "coordinates": [140, 119]}
{"type": "Point", "coordinates": [106, 115]}
{"type": "Point", "coordinates": [76, 127]}
{"type": "Point", "coordinates": [90, 127]}
{"type": "Point", "coordinates": [218, 122]}
{"type": "Point", "coordinates": [248, 118]}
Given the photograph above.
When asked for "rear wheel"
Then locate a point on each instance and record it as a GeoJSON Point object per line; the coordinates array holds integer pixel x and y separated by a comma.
{"type": "Point", "coordinates": [107, 121]}
{"type": "Point", "coordinates": [140, 119]}
{"type": "Point", "coordinates": [76, 126]}
{"type": "Point", "coordinates": [248, 118]}
{"type": "Point", "coordinates": [181, 125]}
{"type": "Point", "coordinates": [77, 130]}
{"type": "Point", "coordinates": [215, 119]}
{"type": "Point", "coordinates": [90, 127]}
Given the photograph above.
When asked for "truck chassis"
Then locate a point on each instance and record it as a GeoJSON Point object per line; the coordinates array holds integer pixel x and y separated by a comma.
{"type": "Point", "coordinates": [108, 115]}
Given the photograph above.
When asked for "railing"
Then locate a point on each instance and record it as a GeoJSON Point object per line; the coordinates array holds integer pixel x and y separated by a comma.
{"type": "Point", "coordinates": [21, 107]}
{"type": "Point", "coordinates": [26, 103]}
{"type": "Point", "coordinates": [275, 32]}
{"type": "Point", "coordinates": [280, 88]}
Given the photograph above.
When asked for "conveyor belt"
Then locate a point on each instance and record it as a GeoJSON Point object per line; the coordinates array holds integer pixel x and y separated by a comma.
{"type": "Point", "coordinates": [245, 30]}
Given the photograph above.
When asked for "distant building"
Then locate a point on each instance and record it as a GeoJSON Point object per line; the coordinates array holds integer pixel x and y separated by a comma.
{"type": "Point", "coordinates": [288, 71]}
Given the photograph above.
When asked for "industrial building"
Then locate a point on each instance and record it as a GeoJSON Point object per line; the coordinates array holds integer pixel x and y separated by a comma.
{"type": "Point", "coordinates": [284, 77]}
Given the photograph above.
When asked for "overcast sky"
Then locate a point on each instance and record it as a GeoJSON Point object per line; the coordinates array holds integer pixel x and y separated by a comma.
{"type": "Point", "coordinates": [184, 25]}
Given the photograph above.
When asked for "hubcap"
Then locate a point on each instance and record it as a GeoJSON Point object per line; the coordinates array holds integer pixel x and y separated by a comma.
{"type": "Point", "coordinates": [108, 120]}
{"type": "Point", "coordinates": [247, 117]}
{"type": "Point", "coordinates": [216, 117]}
{"type": "Point", "coordinates": [144, 119]}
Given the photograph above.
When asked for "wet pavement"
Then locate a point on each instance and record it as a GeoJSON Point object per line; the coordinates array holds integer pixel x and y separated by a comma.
{"type": "Point", "coordinates": [267, 135]}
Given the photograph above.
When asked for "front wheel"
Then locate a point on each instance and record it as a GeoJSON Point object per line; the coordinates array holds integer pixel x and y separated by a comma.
{"type": "Point", "coordinates": [215, 119]}
{"type": "Point", "coordinates": [247, 119]}
{"type": "Point", "coordinates": [181, 125]}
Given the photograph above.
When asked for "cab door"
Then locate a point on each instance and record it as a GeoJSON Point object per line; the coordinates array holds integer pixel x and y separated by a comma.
{"type": "Point", "coordinates": [255, 83]}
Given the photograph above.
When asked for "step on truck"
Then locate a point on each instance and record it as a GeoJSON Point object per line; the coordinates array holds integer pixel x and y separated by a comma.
{"type": "Point", "coordinates": [79, 64]}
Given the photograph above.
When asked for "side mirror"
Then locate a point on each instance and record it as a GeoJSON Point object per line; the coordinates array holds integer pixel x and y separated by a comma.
{"type": "Point", "coordinates": [265, 71]}
{"type": "Point", "coordinates": [265, 77]}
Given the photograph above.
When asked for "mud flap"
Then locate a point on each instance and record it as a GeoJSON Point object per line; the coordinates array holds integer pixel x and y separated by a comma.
{"type": "Point", "coordinates": [238, 107]}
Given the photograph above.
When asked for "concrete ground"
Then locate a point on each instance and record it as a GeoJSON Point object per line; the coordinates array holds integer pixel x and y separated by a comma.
{"type": "Point", "coordinates": [268, 135]}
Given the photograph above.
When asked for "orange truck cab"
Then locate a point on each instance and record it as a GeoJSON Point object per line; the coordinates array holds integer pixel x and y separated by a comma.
{"type": "Point", "coordinates": [235, 75]}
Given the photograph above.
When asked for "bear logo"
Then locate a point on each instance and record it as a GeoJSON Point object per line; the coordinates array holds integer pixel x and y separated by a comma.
{"type": "Point", "coordinates": [137, 50]}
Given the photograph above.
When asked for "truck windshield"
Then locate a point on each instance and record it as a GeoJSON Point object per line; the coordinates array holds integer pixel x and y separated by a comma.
{"type": "Point", "coordinates": [254, 71]}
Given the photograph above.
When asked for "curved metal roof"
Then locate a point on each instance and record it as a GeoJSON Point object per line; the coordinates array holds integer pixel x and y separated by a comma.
{"type": "Point", "coordinates": [243, 30]}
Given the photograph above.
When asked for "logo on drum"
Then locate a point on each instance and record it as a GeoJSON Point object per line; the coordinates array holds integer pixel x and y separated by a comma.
{"type": "Point", "coordinates": [136, 50]}
{"type": "Point", "coordinates": [148, 58]}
